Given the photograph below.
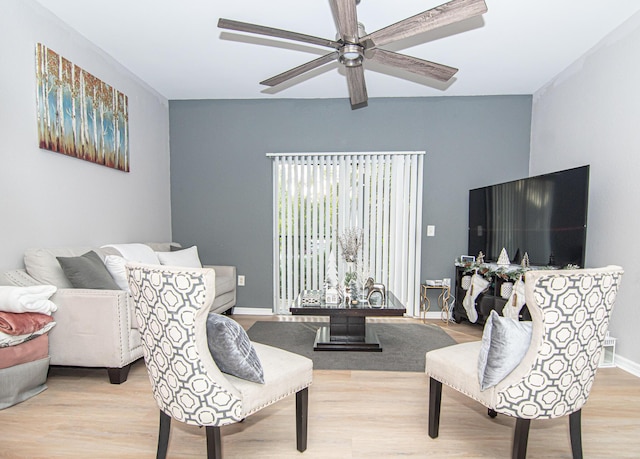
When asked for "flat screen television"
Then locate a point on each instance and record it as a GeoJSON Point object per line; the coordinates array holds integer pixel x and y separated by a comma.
{"type": "Point", "coordinates": [544, 216]}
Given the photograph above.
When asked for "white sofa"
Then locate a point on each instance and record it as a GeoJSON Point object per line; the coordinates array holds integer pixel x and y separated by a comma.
{"type": "Point", "coordinates": [97, 328]}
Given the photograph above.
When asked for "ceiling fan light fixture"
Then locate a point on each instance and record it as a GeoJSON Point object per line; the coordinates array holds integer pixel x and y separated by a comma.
{"type": "Point", "coordinates": [351, 55]}
{"type": "Point", "coordinates": [361, 30]}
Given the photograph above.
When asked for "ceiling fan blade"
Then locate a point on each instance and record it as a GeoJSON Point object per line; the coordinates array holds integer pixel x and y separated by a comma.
{"type": "Point", "coordinates": [413, 64]}
{"type": "Point", "coordinates": [357, 87]}
{"type": "Point", "coordinates": [445, 14]}
{"type": "Point", "coordinates": [278, 33]}
{"type": "Point", "coordinates": [346, 17]}
{"type": "Point", "coordinates": [294, 72]}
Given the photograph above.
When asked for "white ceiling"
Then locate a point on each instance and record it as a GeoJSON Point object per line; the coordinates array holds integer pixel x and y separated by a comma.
{"type": "Point", "coordinates": [176, 47]}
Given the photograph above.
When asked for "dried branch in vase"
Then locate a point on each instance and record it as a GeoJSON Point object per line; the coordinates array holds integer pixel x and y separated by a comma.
{"type": "Point", "coordinates": [350, 244]}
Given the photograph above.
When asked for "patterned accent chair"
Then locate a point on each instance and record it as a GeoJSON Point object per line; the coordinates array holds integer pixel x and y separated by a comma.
{"type": "Point", "coordinates": [171, 306]}
{"type": "Point", "coordinates": [570, 311]}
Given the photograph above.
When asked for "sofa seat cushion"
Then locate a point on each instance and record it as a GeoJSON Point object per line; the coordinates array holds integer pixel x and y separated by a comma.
{"type": "Point", "coordinates": [224, 284]}
{"type": "Point", "coordinates": [223, 302]}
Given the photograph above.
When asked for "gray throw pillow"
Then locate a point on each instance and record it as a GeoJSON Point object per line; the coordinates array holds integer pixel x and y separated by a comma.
{"type": "Point", "coordinates": [232, 350]}
{"type": "Point", "coordinates": [87, 271]}
{"type": "Point", "coordinates": [505, 341]}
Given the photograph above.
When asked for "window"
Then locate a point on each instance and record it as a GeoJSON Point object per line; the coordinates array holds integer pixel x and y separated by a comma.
{"type": "Point", "coordinates": [317, 196]}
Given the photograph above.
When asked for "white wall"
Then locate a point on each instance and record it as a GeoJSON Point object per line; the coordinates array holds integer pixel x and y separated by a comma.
{"type": "Point", "coordinates": [48, 199]}
{"type": "Point", "coordinates": [590, 114]}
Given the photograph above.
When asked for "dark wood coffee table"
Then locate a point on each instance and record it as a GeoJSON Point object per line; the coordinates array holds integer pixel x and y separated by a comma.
{"type": "Point", "coordinates": [347, 330]}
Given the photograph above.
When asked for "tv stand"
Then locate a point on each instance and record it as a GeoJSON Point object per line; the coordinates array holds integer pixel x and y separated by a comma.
{"type": "Point", "coordinates": [485, 302]}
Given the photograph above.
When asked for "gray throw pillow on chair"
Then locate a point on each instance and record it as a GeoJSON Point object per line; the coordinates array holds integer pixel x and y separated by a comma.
{"type": "Point", "coordinates": [232, 350]}
{"type": "Point", "coordinates": [505, 341]}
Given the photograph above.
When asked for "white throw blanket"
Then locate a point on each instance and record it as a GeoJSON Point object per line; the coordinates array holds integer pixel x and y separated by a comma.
{"type": "Point", "coordinates": [34, 298]}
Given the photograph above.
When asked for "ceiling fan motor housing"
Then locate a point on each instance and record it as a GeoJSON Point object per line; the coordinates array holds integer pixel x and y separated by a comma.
{"type": "Point", "coordinates": [351, 54]}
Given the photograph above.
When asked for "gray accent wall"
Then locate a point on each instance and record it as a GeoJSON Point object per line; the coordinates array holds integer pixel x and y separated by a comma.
{"type": "Point", "coordinates": [52, 200]}
{"type": "Point", "coordinates": [589, 114]}
{"type": "Point", "coordinates": [221, 186]}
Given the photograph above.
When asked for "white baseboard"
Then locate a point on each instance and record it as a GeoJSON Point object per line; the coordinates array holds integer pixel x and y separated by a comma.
{"type": "Point", "coordinates": [252, 311]}
{"type": "Point", "coordinates": [432, 315]}
{"type": "Point", "coordinates": [628, 365]}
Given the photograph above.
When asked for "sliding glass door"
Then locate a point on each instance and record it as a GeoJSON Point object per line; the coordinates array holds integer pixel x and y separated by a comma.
{"type": "Point", "coordinates": [319, 196]}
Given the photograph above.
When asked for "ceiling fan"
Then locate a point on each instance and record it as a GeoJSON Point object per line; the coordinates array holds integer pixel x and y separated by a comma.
{"type": "Point", "coordinates": [353, 45]}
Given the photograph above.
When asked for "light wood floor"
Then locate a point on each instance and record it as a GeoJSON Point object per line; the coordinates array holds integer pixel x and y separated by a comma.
{"type": "Point", "coordinates": [352, 414]}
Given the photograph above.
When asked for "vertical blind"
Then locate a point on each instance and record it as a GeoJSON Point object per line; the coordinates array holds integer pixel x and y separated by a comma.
{"type": "Point", "coordinates": [317, 196]}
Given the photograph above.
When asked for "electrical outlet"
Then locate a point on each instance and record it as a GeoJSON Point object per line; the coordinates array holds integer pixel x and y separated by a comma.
{"type": "Point", "coordinates": [240, 280]}
{"type": "Point", "coordinates": [431, 230]}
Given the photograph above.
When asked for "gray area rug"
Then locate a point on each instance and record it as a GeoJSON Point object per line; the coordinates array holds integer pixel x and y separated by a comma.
{"type": "Point", "coordinates": [403, 345]}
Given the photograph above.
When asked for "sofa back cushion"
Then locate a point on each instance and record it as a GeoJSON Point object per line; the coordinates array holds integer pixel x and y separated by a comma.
{"type": "Point", "coordinates": [43, 265]}
{"type": "Point", "coordinates": [187, 258]}
{"type": "Point", "coordinates": [139, 253]}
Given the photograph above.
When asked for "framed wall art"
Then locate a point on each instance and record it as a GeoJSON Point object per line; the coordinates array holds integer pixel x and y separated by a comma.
{"type": "Point", "coordinates": [78, 114]}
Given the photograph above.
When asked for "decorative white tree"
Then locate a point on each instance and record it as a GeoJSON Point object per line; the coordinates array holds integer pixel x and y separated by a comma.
{"type": "Point", "coordinates": [331, 274]}
{"type": "Point", "coordinates": [503, 259]}
{"type": "Point", "coordinates": [331, 284]}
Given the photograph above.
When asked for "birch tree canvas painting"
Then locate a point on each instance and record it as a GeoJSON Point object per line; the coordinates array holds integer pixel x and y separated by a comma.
{"type": "Point", "coordinates": [78, 114]}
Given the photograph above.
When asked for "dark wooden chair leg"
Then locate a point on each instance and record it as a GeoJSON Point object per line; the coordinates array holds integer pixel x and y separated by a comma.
{"type": "Point", "coordinates": [435, 399]}
{"type": "Point", "coordinates": [163, 435]}
{"type": "Point", "coordinates": [302, 416]}
{"type": "Point", "coordinates": [118, 375]}
{"type": "Point", "coordinates": [520, 438]}
{"type": "Point", "coordinates": [214, 443]}
{"type": "Point", "coordinates": [575, 432]}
